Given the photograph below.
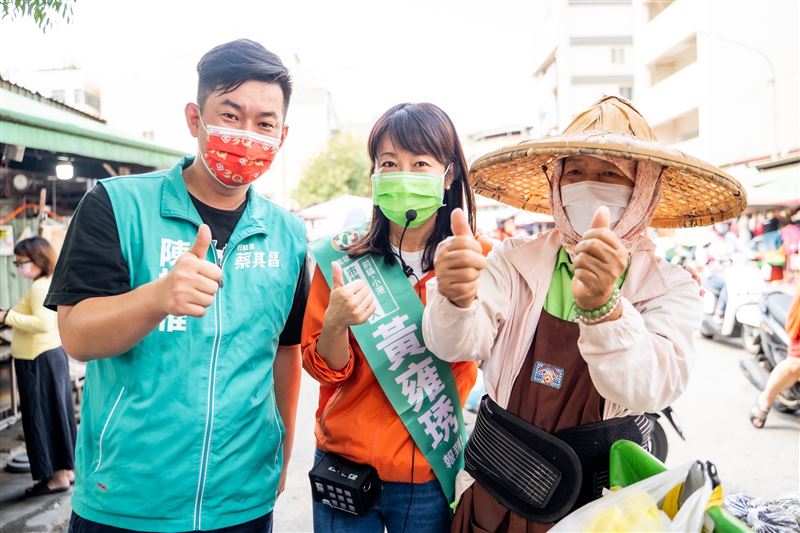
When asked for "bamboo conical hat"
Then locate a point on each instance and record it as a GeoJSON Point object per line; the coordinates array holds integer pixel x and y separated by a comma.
{"type": "Point", "coordinates": [694, 193]}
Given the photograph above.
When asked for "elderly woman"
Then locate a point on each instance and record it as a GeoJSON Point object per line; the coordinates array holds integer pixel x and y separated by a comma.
{"type": "Point", "coordinates": [581, 330]}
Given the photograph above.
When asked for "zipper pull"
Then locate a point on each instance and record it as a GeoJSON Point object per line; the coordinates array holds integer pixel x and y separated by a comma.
{"type": "Point", "coordinates": [219, 262]}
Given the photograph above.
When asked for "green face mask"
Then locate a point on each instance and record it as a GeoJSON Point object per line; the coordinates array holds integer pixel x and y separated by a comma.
{"type": "Point", "coordinates": [397, 192]}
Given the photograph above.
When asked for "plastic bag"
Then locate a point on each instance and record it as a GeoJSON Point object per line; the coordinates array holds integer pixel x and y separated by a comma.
{"type": "Point", "coordinates": [776, 516]}
{"type": "Point", "coordinates": [635, 508]}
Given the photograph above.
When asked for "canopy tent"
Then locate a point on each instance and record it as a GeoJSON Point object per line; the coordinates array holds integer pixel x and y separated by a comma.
{"type": "Point", "coordinates": [780, 188]}
{"type": "Point", "coordinates": [33, 121]}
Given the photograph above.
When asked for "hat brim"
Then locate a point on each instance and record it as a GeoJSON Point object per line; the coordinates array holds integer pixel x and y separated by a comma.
{"type": "Point", "coordinates": [694, 193]}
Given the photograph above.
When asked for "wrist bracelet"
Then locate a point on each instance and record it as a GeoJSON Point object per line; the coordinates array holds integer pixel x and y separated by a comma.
{"type": "Point", "coordinates": [601, 312]}
{"type": "Point", "coordinates": [601, 318]}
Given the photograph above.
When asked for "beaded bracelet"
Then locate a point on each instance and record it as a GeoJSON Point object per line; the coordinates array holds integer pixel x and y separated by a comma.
{"type": "Point", "coordinates": [601, 313]}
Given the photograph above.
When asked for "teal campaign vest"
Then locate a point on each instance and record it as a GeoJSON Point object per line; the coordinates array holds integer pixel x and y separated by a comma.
{"type": "Point", "coordinates": [182, 432]}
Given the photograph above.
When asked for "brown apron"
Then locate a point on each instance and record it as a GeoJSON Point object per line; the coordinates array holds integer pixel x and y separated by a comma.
{"type": "Point", "coordinates": [553, 391]}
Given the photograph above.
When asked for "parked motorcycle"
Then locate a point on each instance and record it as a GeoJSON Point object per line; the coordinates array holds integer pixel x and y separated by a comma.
{"type": "Point", "coordinates": [744, 284]}
{"type": "Point", "coordinates": [774, 341]}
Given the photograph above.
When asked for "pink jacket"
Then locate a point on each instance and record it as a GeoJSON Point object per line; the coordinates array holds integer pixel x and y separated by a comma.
{"type": "Point", "coordinates": [639, 362]}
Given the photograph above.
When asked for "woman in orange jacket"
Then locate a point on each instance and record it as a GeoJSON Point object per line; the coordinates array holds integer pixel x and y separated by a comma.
{"type": "Point", "coordinates": [419, 176]}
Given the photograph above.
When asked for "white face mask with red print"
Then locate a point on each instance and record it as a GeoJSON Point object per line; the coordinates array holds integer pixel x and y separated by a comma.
{"type": "Point", "coordinates": [236, 158]}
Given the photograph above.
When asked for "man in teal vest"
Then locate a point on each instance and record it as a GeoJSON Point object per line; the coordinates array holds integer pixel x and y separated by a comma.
{"type": "Point", "coordinates": [185, 291]}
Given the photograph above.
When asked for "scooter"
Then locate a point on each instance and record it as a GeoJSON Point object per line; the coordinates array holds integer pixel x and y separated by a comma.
{"type": "Point", "coordinates": [774, 341]}
{"type": "Point", "coordinates": [744, 284]}
{"type": "Point", "coordinates": [749, 316]}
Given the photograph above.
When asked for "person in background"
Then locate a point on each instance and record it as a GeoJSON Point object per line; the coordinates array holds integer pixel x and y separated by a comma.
{"type": "Point", "coordinates": [757, 225]}
{"type": "Point", "coordinates": [786, 373]}
{"type": "Point", "coordinates": [743, 223]}
{"type": "Point", "coordinates": [42, 368]}
{"type": "Point", "coordinates": [722, 251]}
{"type": "Point", "coordinates": [506, 229]}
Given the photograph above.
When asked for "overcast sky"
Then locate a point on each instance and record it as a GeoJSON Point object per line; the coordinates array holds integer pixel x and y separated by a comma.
{"type": "Point", "coordinates": [472, 58]}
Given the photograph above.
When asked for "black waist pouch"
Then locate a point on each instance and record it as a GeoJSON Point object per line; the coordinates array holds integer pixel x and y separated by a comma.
{"type": "Point", "coordinates": [537, 474]}
{"type": "Point", "coordinates": [344, 485]}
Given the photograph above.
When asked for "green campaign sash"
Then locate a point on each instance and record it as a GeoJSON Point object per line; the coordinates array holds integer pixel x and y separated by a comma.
{"type": "Point", "coordinates": [420, 386]}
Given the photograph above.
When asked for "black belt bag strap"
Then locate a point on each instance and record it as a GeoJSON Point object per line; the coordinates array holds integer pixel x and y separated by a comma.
{"type": "Point", "coordinates": [528, 470]}
{"type": "Point", "coordinates": [592, 443]}
{"type": "Point", "coordinates": [539, 475]}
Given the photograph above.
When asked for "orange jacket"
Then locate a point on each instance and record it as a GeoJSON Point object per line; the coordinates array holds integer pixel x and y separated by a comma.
{"type": "Point", "coordinates": [354, 418]}
{"type": "Point", "coordinates": [793, 325]}
{"type": "Point", "coordinates": [793, 318]}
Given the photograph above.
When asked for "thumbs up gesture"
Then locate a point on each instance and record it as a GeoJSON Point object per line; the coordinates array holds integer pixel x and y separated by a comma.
{"type": "Point", "coordinates": [600, 260]}
{"type": "Point", "coordinates": [459, 262]}
{"type": "Point", "coordinates": [189, 288]}
{"type": "Point", "coordinates": [350, 304]}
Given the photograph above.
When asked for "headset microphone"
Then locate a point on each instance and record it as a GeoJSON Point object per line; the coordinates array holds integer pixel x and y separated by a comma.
{"type": "Point", "coordinates": [411, 216]}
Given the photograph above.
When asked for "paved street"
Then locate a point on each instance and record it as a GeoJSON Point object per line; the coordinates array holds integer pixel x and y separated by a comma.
{"type": "Point", "coordinates": [713, 414]}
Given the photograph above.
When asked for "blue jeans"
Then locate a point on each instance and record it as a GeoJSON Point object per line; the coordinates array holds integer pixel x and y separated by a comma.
{"type": "Point", "coordinates": [717, 282]}
{"type": "Point", "coordinates": [428, 511]}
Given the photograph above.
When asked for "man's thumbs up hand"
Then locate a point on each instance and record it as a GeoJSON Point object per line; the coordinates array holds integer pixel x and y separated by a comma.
{"type": "Point", "coordinates": [190, 286]}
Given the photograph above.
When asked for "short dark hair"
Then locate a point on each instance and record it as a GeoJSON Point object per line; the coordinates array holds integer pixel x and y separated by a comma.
{"type": "Point", "coordinates": [421, 129]}
{"type": "Point", "coordinates": [226, 67]}
{"type": "Point", "coordinates": [40, 252]}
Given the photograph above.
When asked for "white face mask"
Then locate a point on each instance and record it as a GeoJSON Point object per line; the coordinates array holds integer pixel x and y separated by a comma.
{"type": "Point", "coordinates": [582, 199]}
{"type": "Point", "coordinates": [26, 270]}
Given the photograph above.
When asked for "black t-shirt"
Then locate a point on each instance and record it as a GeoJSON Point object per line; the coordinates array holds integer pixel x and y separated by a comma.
{"type": "Point", "coordinates": [221, 222]}
{"type": "Point", "coordinates": [91, 262]}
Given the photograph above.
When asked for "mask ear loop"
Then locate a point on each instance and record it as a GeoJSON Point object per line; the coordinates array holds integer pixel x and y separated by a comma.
{"type": "Point", "coordinates": [200, 119]}
{"type": "Point", "coordinates": [444, 180]}
{"type": "Point", "coordinates": [372, 181]}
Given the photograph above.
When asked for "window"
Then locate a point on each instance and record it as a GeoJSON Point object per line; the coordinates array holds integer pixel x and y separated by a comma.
{"type": "Point", "coordinates": [92, 100]}
{"type": "Point", "coordinates": [57, 95]}
{"type": "Point", "coordinates": [617, 55]}
{"type": "Point", "coordinates": [78, 96]}
{"type": "Point", "coordinates": [626, 92]}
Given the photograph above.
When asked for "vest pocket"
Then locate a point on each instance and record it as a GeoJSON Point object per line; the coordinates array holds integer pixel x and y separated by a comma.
{"type": "Point", "coordinates": [111, 408]}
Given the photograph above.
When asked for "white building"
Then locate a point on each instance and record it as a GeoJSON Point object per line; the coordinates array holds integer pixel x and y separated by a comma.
{"type": "Point", "coordinates": [482, 142]}
{"type": "Point", "coordinates": [583, 51]}
{"type": "Point", "coordinates": [719, 79]}
{"type": "Point", "coordinates": [71, 85]}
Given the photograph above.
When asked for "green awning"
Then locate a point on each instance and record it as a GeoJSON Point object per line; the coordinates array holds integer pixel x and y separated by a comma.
{"type": "Point", "coordinates": [31, 123]}
{"type": "Point", "coordinates": [778, 186]}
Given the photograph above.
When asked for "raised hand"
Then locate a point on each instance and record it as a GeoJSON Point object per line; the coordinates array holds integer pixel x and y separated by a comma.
{"type": "Point", "coordinates": [189, 288]}
{"type": "Point", "coordinates": [600, 260]}
{"type": "Point", "coordinates": [459, 262]}
{"type": "Point", "coordinates": [350, 304]}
